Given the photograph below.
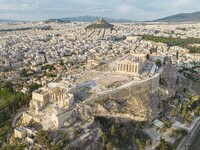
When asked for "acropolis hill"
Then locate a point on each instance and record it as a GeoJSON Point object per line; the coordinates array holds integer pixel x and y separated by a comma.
{"type": "Point", "coordinates": [130, 88]}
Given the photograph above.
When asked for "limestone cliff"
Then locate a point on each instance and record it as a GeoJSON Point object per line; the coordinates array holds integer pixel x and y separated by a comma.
{"type": "Point", "coordinates": [140, 102]}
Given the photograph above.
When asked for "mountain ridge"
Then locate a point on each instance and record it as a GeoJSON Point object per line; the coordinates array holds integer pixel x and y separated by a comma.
{"type": "Point", "coordinates": [89, 18]}
{"type": "Point", "coordinates": [10, 21]}
{"type": "Point", "coordinates": [181, 17]}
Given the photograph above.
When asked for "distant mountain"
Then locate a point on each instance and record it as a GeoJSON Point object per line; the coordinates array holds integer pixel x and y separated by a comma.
{"type": "Point", "coordinates": [183, 17]}
{"type": "Point", "coordinates": [56, 21]}
{"type": "Point", "coordinates": [99, 24]}
{"type": "Point", "coordinates": [6, 20]}
{"type": "Point", "coordinates": [94, 18]}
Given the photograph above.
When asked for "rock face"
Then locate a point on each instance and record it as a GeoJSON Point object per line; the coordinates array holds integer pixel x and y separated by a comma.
{"type": "Point", "coordinates": [142, 101]}
{"type": "Point", "coordinates": [100, 24]}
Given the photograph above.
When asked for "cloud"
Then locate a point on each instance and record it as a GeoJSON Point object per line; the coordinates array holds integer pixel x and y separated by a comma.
{"type": "Point", "coordinates": [182, 3]}
{"type": "Point", "coordinates": [132, 9]}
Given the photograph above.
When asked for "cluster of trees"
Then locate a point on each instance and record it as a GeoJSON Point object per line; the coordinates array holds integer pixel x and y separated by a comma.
{"type": "Point", "coordinates": [18, 144]}
{"type": "Point", "coordinates": [185, 43]}
{"type": "Point", "coordinates": [141, 139]}
{"type": "Point", "coordinates": [167, 124]}
{"type": "Point", "coordinates": [162, 81]}
{"type": "Point", "coordinates": [49, 67]}
{"type": "Point", "coordinates": [115, 135]}
{"type": "Point", "coordinates": [4, 130]}
{"type": "Point", "coordinates": [10, 101]}
{"type": "Point", "coordinates": [32, 87]}
{"type": "Point", "coordinates": [197, 110]}
{"type": "Point", "coordinates": [177, 132]}
{"type": "Point", "coordinates": [190, 73]}
{"type": "Point", "coordinates": [50, 75]}
{"type": "Point", "coordinates": [185, 110]}
{"type": "Point", "coordinates": [45, 139]}
{"type": "Point", "coordinates": [165, 146]}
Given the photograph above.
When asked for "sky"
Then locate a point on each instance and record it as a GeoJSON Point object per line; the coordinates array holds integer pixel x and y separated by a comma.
{"type": "Point", "coordinates": [139, 10]}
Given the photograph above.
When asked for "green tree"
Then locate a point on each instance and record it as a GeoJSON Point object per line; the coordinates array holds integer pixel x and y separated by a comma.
{"type": "Point", "coordinates": [109, 146]}
{"type": "Point", "coordinates": [124, 133]}
{"type": "Point", "coordinates": [197, 110]}
{"type": "Point", "coordinates": [173, 112]}
{"type": "Point", "coordinates": [139, 144]}
{"type": "Point", "coordinates": [163, 145]}
{"type": "Point", "coordinates": [148, 142]}
{"type": "Point", "coordinates": [177, 80]}
{"type": "Point", "coordinates": [104, 139]}
{"type": "Point", "coordinates": [43, 138]}
{"type": "Point", "coordinates": [158, 62]}
{"type": "Point", "coordinates": [184, 89]}
{"type": "Point", "coordinates": [113, 130]}
{"type": "Point", "coordinates": [184, 111]}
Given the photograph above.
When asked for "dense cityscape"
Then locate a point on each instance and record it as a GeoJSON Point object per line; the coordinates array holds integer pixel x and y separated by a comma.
{"type": "Point", "coordinates": [99, 85]}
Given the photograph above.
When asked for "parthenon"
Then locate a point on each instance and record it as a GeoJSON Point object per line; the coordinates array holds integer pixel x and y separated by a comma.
{"type": "Point", "coordinates": [131, 64]}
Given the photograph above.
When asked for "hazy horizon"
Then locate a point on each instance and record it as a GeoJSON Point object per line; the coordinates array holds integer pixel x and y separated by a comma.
{"type": "Point", "coordinates": [139, 10]}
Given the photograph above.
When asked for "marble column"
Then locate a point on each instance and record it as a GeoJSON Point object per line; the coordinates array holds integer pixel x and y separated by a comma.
{"type": "Point", "coordinates": [130, 66]}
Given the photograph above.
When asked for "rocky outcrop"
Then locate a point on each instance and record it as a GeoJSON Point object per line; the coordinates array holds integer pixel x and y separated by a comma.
{"type": "Point", "coordinates": [100, 24]}
{"type": "Point", "coordinates": [141, 101]}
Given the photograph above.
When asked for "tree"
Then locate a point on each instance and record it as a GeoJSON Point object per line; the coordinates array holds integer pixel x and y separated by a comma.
{"type": "Point", "coordinates": [105, 139]}
{"type": "Point", "coordinates": [177, 80]}
{"type": "Point", "coordinates": [23, 73]}
{"type": "Point", "coordinates": [179, 107]}
{"type": "Point", "coordinates": [184, 89]}
{"type": "Point", "coordinates": [184, 111]}
{"type": "Point", "coordinates": [70, 147]}
{"type": "Point", "coordinates": [158, 62]}
{"type": "Point", "coordinates": [139, 144]}
{"type": "Point", "coordinates": [173, 112]}
{"type": "Point", "coordinates": [109, 146]}
{"type": "Point", "coordinates": [124, 133]}
{"type": "Point", "coordinates": [167, 123]}
{"type": "Point", "coordinates": [61, 62]}
{"type": "Point", "coordinates": [197, 110]}
{"type": "Point", "coordinates": [147, 56]}
{"type": "Point", "coordinates": [188, 118]}
{"type": "Point", "coordinates": [113, 130]}
{"type": "Point", "coordinates": [33, 86]}
{"type": "Point", "coordinates": [43, 138]}
{"type": "Point", "coordinates": [20, 146]}
{"type": "Point", "coordinates": [148, 142]}
{"type": "Point", "coordinates": [163, 145]}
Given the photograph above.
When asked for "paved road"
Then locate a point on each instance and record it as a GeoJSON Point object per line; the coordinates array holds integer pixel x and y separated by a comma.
{"type": "Point", "coordinates": [17, 116]}
{"type": "Point", "coordinates": [191, 89]}
{"type": "Point", "coordinates": [185, 143]}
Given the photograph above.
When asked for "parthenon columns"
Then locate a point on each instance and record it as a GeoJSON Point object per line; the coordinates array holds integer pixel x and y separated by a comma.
{"type": "Point", "coordinates": [127, 68]}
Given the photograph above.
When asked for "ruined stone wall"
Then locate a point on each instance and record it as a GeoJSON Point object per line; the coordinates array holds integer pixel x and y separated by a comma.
{"type": "Point", "coordinates": [129, 91]}
{"type": "Point", "coordinates": [146, 96]}
{"type": "Point", "coordinates": [58, 121]}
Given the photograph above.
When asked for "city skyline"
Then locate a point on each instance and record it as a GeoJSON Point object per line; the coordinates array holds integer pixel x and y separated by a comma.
{"type": "Point", "coordinates": [29, 10]}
